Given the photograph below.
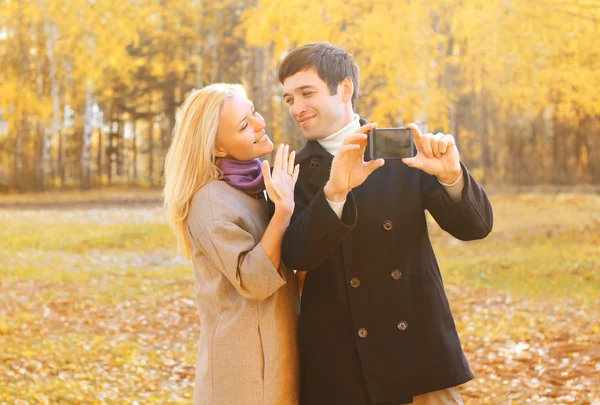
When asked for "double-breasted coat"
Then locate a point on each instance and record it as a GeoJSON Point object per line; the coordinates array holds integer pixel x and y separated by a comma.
{"type": "Point", "coordinates": [375, 324]}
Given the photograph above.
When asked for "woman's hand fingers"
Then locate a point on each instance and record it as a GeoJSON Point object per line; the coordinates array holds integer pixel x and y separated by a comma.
{"type": "Point", "coordinates": [266, 170]}
{"type": "Point", "coordinates": [296, 173]}
{"type": "Point", "coordinates": [272, 191]}
{"type": "Point", "coordinates": [291, 160]}
{"type": "Point", "coordinates": [285, 159]}
{"type": "Point", "coordinates": [278, 158]}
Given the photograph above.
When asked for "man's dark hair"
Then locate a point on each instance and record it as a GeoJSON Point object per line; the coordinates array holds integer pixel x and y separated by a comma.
{"type": "Point", "coordinates": [333, 64]}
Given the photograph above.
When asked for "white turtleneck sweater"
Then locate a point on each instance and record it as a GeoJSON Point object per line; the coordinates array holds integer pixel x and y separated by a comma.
{"type": "Point", "coordinates": [334, 142]}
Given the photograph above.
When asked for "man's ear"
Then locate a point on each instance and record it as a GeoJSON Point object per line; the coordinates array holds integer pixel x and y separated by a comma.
{"type": "Point", "coordinates": [347, 89]}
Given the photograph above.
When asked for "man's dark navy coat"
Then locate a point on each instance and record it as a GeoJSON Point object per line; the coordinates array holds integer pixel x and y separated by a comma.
{"type": "Point", "coordinates": [375, 324]}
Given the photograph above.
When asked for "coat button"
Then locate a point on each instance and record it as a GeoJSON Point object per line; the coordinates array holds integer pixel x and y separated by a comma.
{"type": "Point", "coordinates": [387, 225]}
{"type": "Point", "coordinates": [396, 274]}
{"type": "Point", "coordinates": [355, 282]}
{"type": "Point", "coordinates": [402, 325]}
{"type": "Point", "coordinates": [362, 332]}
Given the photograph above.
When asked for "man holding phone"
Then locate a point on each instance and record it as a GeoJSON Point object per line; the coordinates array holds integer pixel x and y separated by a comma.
{"type": "Point", "coordinates": [375, 323]}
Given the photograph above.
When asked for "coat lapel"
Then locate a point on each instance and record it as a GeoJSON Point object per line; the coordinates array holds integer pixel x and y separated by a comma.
{"type": "Point", "coordinates": [317, 163]}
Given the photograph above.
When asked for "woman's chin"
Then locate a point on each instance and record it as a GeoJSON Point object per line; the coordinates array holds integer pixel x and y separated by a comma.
{"type": "Point", "coordinates": [268, 147]}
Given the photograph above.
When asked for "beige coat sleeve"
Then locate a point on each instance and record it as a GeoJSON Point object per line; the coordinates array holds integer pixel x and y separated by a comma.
{"type": "Point", "coordinates": [244, 262]}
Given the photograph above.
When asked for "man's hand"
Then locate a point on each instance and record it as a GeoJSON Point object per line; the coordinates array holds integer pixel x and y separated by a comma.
{"type": "Point", "coordinates": [436, 154]}
{"type": "Point", "coordinates": [349, 169]}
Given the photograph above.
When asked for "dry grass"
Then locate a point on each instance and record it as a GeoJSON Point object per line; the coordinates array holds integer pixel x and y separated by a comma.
{"type": "Point", "coordinates": [96, 308]}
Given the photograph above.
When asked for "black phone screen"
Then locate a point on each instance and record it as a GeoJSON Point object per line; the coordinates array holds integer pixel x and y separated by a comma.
{"type": "Point", "coordinates": [391, 143]}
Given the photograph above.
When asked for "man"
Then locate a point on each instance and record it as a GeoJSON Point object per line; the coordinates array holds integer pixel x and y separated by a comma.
{"type": "Point", "coordinates": [375, 324]}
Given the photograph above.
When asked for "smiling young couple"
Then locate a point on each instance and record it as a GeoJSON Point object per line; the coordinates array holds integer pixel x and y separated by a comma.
{"type": "Point", "coordinates": [374, 327]}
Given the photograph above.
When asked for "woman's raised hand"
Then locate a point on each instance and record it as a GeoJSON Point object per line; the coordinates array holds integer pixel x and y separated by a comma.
{"type": "Point", "coordinates": [280, 184]}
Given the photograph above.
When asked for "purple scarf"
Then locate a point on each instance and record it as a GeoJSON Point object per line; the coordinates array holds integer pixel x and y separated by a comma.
{"type": "Point", "coordinates": [246, 176]}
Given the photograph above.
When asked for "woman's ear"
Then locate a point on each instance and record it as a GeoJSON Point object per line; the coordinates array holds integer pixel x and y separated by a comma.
{"type": "Point", "coordinates": [347, 89]}
{"type": "Point", "coordinates": [219, 152]}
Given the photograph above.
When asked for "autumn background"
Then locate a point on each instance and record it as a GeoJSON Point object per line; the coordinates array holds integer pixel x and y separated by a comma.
{"type": "Point", "coordinates": [96, 307]}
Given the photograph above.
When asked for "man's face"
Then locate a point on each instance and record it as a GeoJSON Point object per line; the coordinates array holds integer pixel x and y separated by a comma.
{"type": "Point", "coordinates": [317, 112]}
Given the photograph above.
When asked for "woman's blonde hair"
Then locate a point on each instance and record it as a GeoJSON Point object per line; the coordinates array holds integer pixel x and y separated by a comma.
{"type": "Point", "coordinates": [190, 162]}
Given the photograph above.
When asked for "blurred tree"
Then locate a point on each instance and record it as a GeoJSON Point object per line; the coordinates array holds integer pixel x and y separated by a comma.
{"type": "Point", "coordinates": [89, 90]}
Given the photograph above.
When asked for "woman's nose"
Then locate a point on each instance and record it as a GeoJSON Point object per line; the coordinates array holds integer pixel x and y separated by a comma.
{"type": "Point", "coordinates": [259, 123]}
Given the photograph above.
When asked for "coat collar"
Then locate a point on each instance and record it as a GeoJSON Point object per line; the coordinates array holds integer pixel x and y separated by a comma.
{"type": "Point", "coordinates": [316, 162]}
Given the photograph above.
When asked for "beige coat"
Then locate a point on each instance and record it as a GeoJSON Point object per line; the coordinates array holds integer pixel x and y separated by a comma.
{"type": "Point", "coordinates": [247, 353]}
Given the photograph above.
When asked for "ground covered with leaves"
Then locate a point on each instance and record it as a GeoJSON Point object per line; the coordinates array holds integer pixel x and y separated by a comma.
{"type": "Point", "coordinates": [96, 308]}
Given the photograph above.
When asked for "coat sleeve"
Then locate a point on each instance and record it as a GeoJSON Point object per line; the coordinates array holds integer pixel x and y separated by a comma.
{"type": "Point", "coordinates": [239, 257]}
{"type": "Point", "coordinates": [470, 218]}
{"type": "Point", "coordinates": [315, 230]}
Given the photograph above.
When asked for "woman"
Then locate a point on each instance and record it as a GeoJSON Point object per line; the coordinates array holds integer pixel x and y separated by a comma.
{"type": "Point", "coordinates": [247, 299]}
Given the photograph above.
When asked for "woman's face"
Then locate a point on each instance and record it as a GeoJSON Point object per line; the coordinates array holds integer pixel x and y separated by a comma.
{"type": "Point", "coordinates": [241, 133]}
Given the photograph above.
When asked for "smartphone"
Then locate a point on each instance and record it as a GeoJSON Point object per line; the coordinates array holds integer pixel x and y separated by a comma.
{"type": "Point", "coordinates": [391, 143]}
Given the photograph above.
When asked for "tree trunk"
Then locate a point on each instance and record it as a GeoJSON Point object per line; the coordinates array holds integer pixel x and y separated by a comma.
{"type": "Point", "coordinates": [55, 127]}
{"type": "Point", "coordinates": [99, 152]}
{"type": "Point", "coordinates": [257, 74]}
{"type": "Point", "coordinates": [39, 173]}
{"type": "Point", "coordinates": [86, 142]}
{"type": "Point", "coordinates": [558, 153]}
{"type": "Point", "coordinates": [150, 153]}
{"type": "Point", "coordinates": [200, 47]}
{"type": "Point", "coordinates": [19, 181]}
{"type": "Point", "coordinates": [483, 137]}
{"type": "Point", "coordinates": [60, 160]}
{"type": "Point", "coordinates": [20, 112]}
{"type": "Point", "coordinates": [594, 149]}
{"type": "Point", "coordinates": [119, 146]}
{"type": "Point", "coordinates": [112, 143]}
{"type": "Point", "coordinates": [134, 150]}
